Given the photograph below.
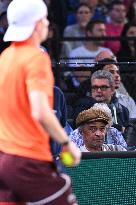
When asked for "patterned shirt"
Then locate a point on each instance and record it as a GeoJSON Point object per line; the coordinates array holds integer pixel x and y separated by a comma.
{"type": "Point", "coordinates": [113, 137]}
{"type": "Point", "coordinates": [106, 147]}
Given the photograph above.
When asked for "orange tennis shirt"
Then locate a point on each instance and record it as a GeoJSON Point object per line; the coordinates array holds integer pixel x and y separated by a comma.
{"type": "Point", "coordinates": [23, 68]}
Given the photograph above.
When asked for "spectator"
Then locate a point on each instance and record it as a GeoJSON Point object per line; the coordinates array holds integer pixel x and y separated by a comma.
{"type": "Point", "coordinates": [111, 66]}
{"type": "Point", "coordinates": [103, 89]}
{"type": "Point", "coordinates": [90, 48]}
{"type": "Point", "coordinates": [125, 100]}
{"type": "Point", "coordinates": [109, 55]}
{"type": "Point", "coordinates": [92, 125]}
{"type": "Point", "coordinates": [127, 50]}
{"type": "Point", "coordinates": [127, 53]}
{"type": "Point", "coordinates": [114, 27]}
{"type": "Point", "coordinates": [113, 136]}
{"type": "Point", "coordinates": [83, 15]}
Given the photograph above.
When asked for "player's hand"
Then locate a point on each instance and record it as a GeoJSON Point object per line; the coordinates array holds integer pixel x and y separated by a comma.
{"type": "Point", "coordinates": [74, 151]}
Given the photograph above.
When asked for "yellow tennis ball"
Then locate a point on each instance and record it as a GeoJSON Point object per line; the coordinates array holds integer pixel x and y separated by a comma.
{"type": "Point", "coordinates": [67, 159]}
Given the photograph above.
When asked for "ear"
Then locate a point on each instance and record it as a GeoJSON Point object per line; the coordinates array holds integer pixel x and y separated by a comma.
{"type": "Point", "coordinates": [38, 25]}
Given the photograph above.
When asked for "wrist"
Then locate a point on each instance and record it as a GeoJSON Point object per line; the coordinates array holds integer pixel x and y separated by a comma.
{"type": "Point", "coordinates": [65, 143]}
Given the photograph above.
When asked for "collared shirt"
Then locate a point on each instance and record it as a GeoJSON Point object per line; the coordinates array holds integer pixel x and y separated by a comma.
{"type": "Point", "coordinates": [113, 137]}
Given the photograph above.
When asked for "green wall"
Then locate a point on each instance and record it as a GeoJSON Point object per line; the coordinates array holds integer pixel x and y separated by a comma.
{"type": "Point", "coordinates": [105, 181]}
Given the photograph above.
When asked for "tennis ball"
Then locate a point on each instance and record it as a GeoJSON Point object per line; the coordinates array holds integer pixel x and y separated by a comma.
{"type": "Point", "coordinates": [67, 159]}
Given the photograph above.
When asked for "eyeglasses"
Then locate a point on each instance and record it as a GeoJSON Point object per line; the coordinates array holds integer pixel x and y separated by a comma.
{"type": "Point", "coordinates": [102, 88]}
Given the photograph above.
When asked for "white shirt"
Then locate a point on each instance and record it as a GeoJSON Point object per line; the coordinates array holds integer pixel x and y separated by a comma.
{"type": "Point", "coordinates": [83, 52]}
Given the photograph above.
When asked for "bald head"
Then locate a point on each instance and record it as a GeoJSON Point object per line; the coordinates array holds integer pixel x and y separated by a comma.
{"type": "Point", "coordinates": [105, 54]}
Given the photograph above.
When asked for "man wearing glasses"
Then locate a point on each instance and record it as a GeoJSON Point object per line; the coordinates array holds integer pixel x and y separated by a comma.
{"type": "Point", "coordinates": [102, 90]}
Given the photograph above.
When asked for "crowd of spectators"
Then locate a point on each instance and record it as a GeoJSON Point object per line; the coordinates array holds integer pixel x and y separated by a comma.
{"type": "Point", "coordinates": [102, 83]}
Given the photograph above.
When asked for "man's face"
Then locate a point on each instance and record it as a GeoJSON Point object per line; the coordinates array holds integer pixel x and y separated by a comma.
{"type": "Point", "coordinates": [118, 13]}
{"type": "Point", "coordinates": [101, 90]}
{"type": "Point", "coordinates": [99, 30]}
{"type": "Point", "coordinates": [114, 70]}
{"type": "Point", "coordinates": [94, 134]}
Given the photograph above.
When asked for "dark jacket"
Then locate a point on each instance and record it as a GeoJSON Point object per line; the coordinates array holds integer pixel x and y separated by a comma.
{"type": "Point", "coordinates": [61, 114]}
{"type": "Point", "coordinates": [122, 112]}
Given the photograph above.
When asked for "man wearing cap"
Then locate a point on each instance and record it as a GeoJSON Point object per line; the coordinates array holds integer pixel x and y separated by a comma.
{"type": "Point", "coordinates": [92, 124]}
{"type": "Point", "coordinates": [27, 172]}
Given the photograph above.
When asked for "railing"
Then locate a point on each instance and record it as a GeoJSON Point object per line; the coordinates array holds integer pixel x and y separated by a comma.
{"type": "Point", "coordinates": [127, 69]}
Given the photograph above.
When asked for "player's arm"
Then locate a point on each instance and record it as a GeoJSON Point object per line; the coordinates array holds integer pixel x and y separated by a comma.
{"type": "Point", "coordinates": [41, 111]}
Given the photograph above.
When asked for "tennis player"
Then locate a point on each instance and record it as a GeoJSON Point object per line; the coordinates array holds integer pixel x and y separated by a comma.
{"type": "Point", "coordinates": [27, 172]}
